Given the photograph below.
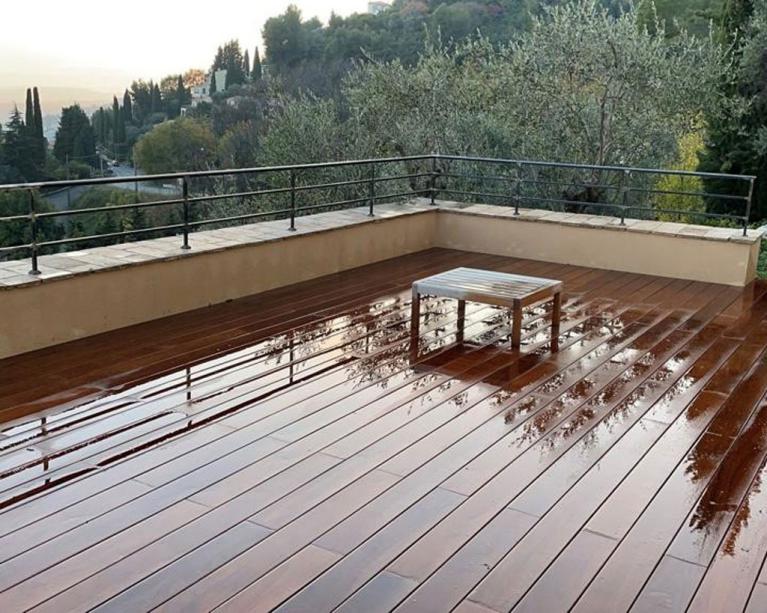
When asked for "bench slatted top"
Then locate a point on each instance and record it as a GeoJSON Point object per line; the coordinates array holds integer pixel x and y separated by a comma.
{"type": "Point", "coordinates": [489, 287]}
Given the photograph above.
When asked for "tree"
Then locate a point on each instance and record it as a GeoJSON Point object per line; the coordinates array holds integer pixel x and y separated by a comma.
{"type": "Point", "coordinates": [141, 93]}
{"type": "Point", "coordinates": [580, 86]}
{"type": "Point", "coordinates": [19, 232]}
{"type": "Point", "coordinates": [290, 40]}
{"type": "Point", "coordinates": [116, 120]}
{"type": "Point", "coordinates": [690, 147]}
{"type": "Point", "coordinates": [240, 146]}
{"type": "Point", "coordinates": [212, 88]}
{"type": "Point", "coordinates": [229, 58]}
{"type": "Point", "coordinates": [246, 64]}
{"type": "Point", "coordinates": [42, 146]}
{"type": "Point", "coordinates": [156, 100]}
{"type": "Point", "coordinates": [305, 129]}
{"type": "Point", "coordinates": [176, 146]}
{"type": "Point", "coordinates": [194, 77]}
{"type": "Point", "coordinates": [19, 149]}
{"type": "Point", "coordinates": [75, 139]}
{"type": "Point", "coordinates": [257, 70]}
{"type": "Point", "coordinates": [29, 114]}
{"type": "Point", "coordinates": [183, 94]}
{"type": "Point", "coordinates": [100, 125]}
{"type": "Point", "coordinates": [737, 136]}
{"type": "Point", "coordinates": [127, 107]}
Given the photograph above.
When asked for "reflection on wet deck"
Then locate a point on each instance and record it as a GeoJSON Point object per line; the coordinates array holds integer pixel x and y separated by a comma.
{"type": "Point", "coordinates": [284, 450]}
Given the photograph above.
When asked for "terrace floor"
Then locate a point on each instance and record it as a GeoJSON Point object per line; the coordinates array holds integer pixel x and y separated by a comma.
{"type": "Point", "coordinates": [282, 451]}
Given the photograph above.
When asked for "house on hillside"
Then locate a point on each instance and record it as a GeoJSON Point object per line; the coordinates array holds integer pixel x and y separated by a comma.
{"type": "Point", "coordinates": [377, 6]}
{"type": "Point", "coordinates": [201, 93]}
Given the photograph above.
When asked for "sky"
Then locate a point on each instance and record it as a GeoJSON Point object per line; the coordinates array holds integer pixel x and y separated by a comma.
{"type": "Point", "coordinates": [103, 47]}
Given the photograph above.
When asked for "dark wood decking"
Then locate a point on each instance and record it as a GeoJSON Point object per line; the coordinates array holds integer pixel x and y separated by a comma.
{"type": "Point", "coordinates": [281, 451]}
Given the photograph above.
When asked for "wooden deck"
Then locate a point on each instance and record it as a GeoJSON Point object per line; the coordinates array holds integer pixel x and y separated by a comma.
{"type": "Point", "coordinates": [281, 451]}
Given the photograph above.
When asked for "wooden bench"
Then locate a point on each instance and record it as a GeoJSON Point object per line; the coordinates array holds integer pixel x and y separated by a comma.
{"type": "Point", "coordinates": [497, 288]}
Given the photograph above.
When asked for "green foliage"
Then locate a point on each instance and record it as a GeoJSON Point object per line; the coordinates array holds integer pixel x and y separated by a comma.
{"type": "Point", "coordinates": [690, 147]}
{"type": "Point", "coordinates": [240, 146]}
{"type": "Point", "coordinates": [580, 86]}
{"type": "Point", "coordinates": [73, 170]}
{"type": "Point", "coordinates": [230, 58]}
{"type": "Point", "coordinates": [257, 73]}
{"type": "Point", "coordinates": [761, 266]}
{"type": "Point", "coordinates": [19, 232]}
{"type": "Point", "coordinates": [304, 130]}
{"type": "Point", "coordinates": [176, 146]}
{"type": "Point", "coordinates": [75, 139]}
{"type": "Point", "coordinates": [307, 56]}
{"type": "Point", "coordinates": [737, 139]}
{"type": "Point", "coordinates": [122, 220]}
{"type": "Point", "coordinates": [127, 107]}
{"type": "Point", "coordinates": [19, 155]}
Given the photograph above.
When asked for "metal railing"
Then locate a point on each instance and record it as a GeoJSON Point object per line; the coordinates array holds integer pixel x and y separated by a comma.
{"type": "Point", "coordinates": [236, 196]}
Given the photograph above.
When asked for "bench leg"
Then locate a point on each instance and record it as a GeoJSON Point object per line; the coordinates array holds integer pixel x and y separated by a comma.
{"type": "Point", "coordinates": [516, 327]}
{"type": "Point", "coordinates": [461, 320]}
{"type": "Point", "coordinates": [556, 315]}
{"type": "Point", "coordinates": [415, 320]}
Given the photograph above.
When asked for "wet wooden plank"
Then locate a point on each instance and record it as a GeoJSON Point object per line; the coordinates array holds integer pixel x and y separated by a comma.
{"type": "Point", "coordinates": [343, 479]}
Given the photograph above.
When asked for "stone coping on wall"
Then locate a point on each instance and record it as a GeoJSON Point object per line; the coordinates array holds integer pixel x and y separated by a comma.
{"type": "Point", "coordinates": [667, 228]}
{"type": "Point", "coordinates": [15, 273]}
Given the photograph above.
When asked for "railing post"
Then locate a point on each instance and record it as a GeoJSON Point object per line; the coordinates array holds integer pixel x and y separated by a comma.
{"type": "Point", "coordinates": [372, 189]}
{"type": "Point", "coordinates": [433, 179]}
{"type": "Point", "coordinates": [625, 195]}
{"type": "Point", "coordinates": [747, 218]}
{"type": "Point", "coordinates": [33, 224]}
{"type": "Point", "coordinates": [518, 189]}
{"type": "Point", "coordinates": [292, 227]}
{"type": "Point", "coordinates": [185, 196]}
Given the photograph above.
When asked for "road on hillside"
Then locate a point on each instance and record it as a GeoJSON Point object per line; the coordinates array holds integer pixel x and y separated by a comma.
{"type": "Point", "coordinates": [61, 199]}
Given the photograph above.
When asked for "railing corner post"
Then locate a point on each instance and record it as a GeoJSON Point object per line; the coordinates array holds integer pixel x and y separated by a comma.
{"type": "Point", "coordinates": [292, 227]}
{"type": "Point", "coordinates": [518, 189]}
{"type": "Point", "coordinates": [33, 226]}
{"type": "Point", "coordinates": [749, 202]}
{"type": "Point", "coordinates": [625, 195]}
{"type": "Point", "coordinates": [185, 195]}
{"type": "Point", "coordinates": [372, 189]}
{"type": "Point", "coordinates": [433, 180]}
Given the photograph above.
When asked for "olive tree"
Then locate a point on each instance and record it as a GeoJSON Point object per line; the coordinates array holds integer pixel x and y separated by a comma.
{"type": "Point", "coordinates": [582, 85]}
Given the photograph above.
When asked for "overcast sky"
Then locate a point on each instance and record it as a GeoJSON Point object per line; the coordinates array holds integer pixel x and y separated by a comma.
{"type": "Point", "coordinates": [96, 45]}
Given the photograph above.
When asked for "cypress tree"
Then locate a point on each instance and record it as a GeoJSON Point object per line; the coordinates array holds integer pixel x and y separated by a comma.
{"type": "Point", "coordinates": [101, 131]}
{"type": "Point", "coordinates": [156, 98]}
{"type": "Point", "coordinates": [29, 114]}
{"type": "Point", "coordinates": [18, 148]}
{"type": "Point", "coordinates": [257, 70]}
{"type": "Point", "coordinates": [115, 121]}
{"type": "Point", "coordinates": [38, 114]}
{"type": "Point", "coordinates": [246, 64]}
{"type": "Point", "coordinates": [212, 89]}
{"type": "Point", "coordinates": [181, 94]}
{"type": "Point", "coordinates": [38, 128]}
{"type": "Point", "coordinates": [127, 107]}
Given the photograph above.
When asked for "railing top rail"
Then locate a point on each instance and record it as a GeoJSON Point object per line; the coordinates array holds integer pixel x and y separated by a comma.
{"type": "Point", "coordinates": [687, 173]}
{"type": "Point", "coordinates": [206, 173]}
{"type": "Point", "coordinates": [172, 176]}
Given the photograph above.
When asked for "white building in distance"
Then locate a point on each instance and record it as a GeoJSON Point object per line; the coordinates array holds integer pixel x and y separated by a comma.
{"type": "Point", "coordinates": [376, 6]}
{"type": "Point", "coordinates": [201, 93]}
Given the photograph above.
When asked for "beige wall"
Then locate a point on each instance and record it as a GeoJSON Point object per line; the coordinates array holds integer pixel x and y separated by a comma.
{"type": "Point", "coordinates": [57, 311]}
{"type": "Point", "coordinates": [712, 261]}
